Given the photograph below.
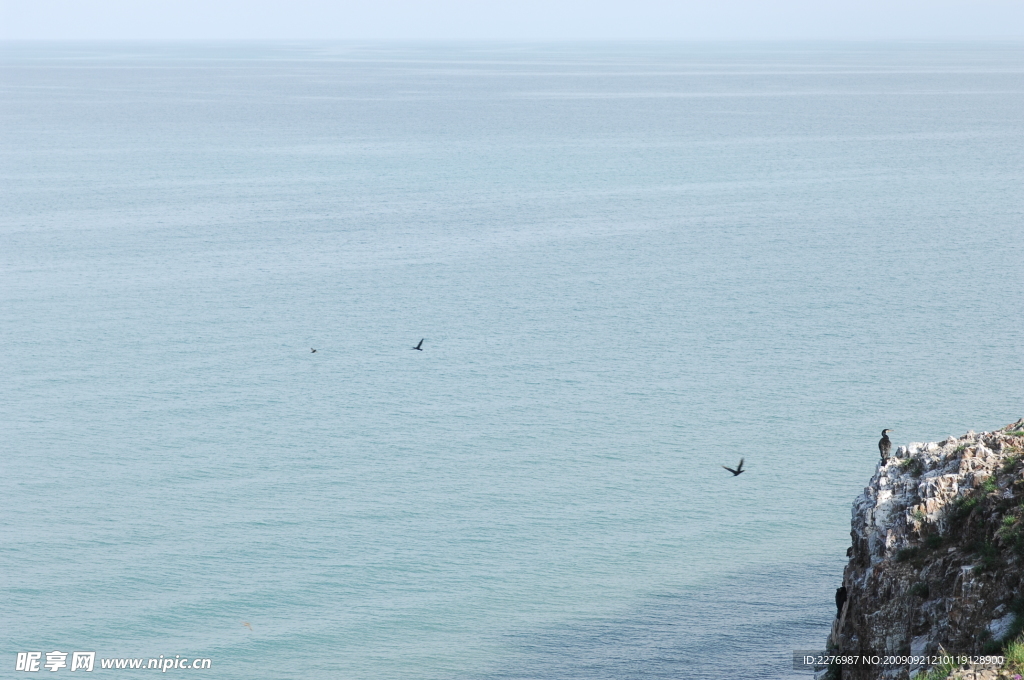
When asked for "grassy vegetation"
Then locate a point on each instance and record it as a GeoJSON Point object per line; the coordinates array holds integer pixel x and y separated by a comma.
{"type": "Point", "coordinates": [919, 589]}
{"type": "Point", "coordinates": [938, 672]}
{"type": "Point", "coordinates": [1015, 655]}
{"type": "Point", "coordinates": [988, 556]}
{"type": "Point", "coordinates": [989, 646]}
{"type": "Point", "coordinates": [913, 465]}
{"type": "Point", "coordinates": [1009, 532]}
{"type": "Point", "coordinates": [1017, 607]}
{"type": "Point", "coordinates": [962, 507]}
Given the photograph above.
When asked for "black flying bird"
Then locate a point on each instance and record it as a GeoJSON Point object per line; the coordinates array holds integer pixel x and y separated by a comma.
{"type": "Point", "coordinates": [739, 469]}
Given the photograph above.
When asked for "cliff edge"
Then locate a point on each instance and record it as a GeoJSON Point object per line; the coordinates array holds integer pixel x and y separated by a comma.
{"type": "Point", "coordinates": [937, 555]}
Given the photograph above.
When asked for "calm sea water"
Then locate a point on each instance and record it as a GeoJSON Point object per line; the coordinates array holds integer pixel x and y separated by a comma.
{"type": "Point", "coordinates": [631, 264]}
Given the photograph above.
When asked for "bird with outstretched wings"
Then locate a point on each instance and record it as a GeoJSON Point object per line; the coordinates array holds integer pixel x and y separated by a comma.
{"type": "Point", "coordinates": [738, 471]}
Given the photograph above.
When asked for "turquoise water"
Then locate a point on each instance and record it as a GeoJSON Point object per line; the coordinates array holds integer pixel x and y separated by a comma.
{"type": "Point", "coordinates": [631, 264]}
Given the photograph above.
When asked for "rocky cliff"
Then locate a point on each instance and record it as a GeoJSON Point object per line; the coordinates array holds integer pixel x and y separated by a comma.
{"type": "Point", "coordinates": [937, 555]}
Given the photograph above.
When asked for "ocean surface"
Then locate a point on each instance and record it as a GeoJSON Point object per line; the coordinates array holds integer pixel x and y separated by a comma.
{"type": "Point", "coordinates": [631, 264]}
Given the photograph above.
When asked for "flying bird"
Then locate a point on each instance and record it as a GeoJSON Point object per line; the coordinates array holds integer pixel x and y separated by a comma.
{"type": "Point", "coordinates": [312, 351]}
{"type": "Point", "coordinates": [420, 346]}
{"type": "Point", "coordinates": [739, 469]}
{"type": "Point", "coordinates": [247, 625]}
{"type": "Point", "coordinates": [884, 445]}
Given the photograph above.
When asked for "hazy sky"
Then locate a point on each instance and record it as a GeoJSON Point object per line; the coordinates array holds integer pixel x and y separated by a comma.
{"type": "Point", "coordinates": [511, 19]}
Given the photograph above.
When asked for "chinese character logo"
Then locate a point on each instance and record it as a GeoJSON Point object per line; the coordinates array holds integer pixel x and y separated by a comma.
{"type": "Point", "coordinates": [82, 661]}
{"type": "Point", "coordinates": [28, 661]}
{"type": "Point", "coordinates": [55, 660]}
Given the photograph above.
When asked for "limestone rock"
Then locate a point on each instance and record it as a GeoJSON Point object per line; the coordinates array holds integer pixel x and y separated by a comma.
{"type": "Point", "coordinates": [938, 553]}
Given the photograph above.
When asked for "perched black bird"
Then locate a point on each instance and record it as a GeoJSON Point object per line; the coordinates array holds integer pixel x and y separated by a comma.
{"type": "Point", "coordinates": [884, 445]}
{"type": "Point", "coordinates": [312, 351]}
{"type": "Point", "coordinates": [738, 470]}
{"type": "Point", "coordinates": [420, 346]}
{"type": "Point", "coordinates": [840, 600]}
